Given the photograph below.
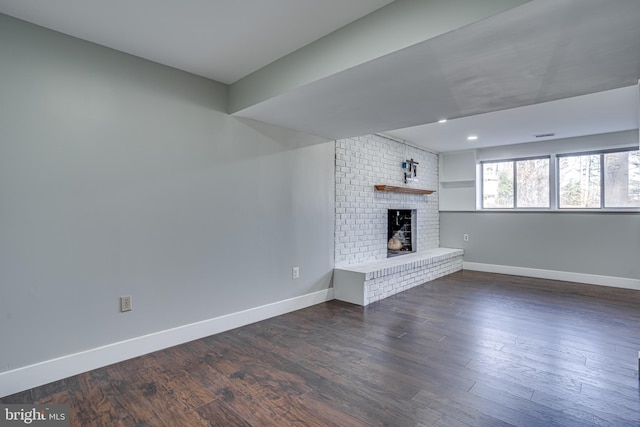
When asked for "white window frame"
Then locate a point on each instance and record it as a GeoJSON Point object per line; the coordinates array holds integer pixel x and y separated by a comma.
{"type": "Point", "coordinates": [554, 182]}
{"type": "Point", "coordinates": [601, 154]}
{"type": "Point", "coordinates": [515, 183]}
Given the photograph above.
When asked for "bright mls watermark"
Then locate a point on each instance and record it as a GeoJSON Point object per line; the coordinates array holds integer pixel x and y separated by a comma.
{"type": "Point", "coordinates": [34, 415]}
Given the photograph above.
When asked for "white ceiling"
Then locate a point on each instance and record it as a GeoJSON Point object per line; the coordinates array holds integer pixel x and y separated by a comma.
{"type": "Point", "coordinates": [547, 66]}
{"type": "Point", "coordinates": [610, 111]}
{"type": "Point", "coordinates": [223, 40]}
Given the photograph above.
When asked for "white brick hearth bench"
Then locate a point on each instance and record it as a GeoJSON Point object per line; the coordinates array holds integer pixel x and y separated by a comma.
{"type": "Point", "coordinates": [363, 284]}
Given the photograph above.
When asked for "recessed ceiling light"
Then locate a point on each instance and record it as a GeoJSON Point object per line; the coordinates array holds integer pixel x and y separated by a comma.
{"type": "Point", "coordinates": [472, 138]}
{"type": "Point", "coordinates": [442, 121]}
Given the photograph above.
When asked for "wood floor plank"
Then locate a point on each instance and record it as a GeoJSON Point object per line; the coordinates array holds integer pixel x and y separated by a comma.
{"type": "Point", "coordinates": [496, 410]}
{"type": "Point", "coordinates": [451, 406]}
{"type": "Point", "coordinates": [468, 349]}
{"type": "Point", "coordinates": [218, 414]}
{"type": "Point", "coordinates": [588, 410]}
{"type": "Point", "coordinates": [613, 397]}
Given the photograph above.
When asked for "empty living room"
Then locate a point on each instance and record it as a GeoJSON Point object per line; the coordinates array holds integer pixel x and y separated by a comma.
{"type": "Point", "coordinates": [320, 213]}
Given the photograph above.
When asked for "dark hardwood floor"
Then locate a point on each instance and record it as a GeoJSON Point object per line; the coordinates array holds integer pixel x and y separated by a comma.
{"type": "Point", "coordinates": [469, 349]}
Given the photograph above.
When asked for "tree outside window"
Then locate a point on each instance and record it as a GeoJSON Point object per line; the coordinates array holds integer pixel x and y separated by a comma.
{"type": "Point", "coordinates": [515, 183]}
{"type": "Point", "coordinates": [622, 179]}
{"type": "Point", "coordinates": [600, 180]}
{"type": "Point", "coordinates": [497, 185]}
{"type": "Point", "coordinates": [579, 181]}
{"type": "Point", "coordinates": [532, 179]}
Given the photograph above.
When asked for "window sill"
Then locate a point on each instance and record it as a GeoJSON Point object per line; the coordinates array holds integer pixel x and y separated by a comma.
{"type": "Point", "coordinates": [607, 211]}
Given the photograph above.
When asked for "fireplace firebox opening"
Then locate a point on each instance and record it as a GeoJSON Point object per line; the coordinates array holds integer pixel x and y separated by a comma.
{"type": "Point", "coordinates": [400, 232]}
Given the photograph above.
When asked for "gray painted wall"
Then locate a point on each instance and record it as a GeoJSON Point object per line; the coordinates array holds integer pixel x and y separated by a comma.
{"type": "Point", "coordinates": [597, 243]}
{"type": "Point", "coordinates": [119, 176]}
{"type": "Point", "coordinates": [604, 244]}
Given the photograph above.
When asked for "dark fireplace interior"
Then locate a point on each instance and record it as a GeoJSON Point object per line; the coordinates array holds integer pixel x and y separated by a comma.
{"type": "Point", "coordinates": [399, 237]}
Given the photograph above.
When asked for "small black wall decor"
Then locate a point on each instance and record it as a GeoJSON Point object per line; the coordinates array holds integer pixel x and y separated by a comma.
{"type": "Point", "coordinates": [410, 168]}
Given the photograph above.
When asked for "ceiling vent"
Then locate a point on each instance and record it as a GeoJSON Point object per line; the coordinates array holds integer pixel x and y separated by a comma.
{"type": "Point", "coordinates": [544, 135]}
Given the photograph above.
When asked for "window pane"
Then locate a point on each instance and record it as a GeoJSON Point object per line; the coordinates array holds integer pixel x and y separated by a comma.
{"type": "Point", "coordinates": [497, 185]}
{"type": "Point", "coordinates": [622, 179]}
{"type": "Point", "coordinates": [579, 181]}
{"type": "Point", "coordinates": [532, 178]}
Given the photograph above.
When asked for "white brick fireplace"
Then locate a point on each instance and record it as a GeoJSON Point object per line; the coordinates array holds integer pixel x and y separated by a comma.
{"type": "Point", "coordinates": [361, 211]}
{"type": "Point", "coordinates": [362, 275]}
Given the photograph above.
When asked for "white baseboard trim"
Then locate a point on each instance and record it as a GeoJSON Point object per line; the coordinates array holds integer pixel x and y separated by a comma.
{"type": "Point", "coordinates": [48, 371]}
{"type": "Point", "coordinates": [566, 276]}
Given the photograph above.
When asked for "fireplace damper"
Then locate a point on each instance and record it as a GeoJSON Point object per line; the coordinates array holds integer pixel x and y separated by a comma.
{"type": "Point", "coordinates": [400, 238]}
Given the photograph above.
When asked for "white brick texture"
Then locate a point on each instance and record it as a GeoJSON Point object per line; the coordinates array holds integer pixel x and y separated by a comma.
{"type": "Point", "coordinates": [361, 211]}
{"type": "Point", "coordinates": [386, 285]}
{"type": "Point", "coordinates": [376, 280]}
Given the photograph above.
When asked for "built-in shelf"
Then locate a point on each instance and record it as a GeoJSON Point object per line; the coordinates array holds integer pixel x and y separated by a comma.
{"type": "Point", "coordinates": [461, 183]}
{"type": "Point", "coordinates": [403, 189]}
{"type": "Point", "coordinates": [455, 181]}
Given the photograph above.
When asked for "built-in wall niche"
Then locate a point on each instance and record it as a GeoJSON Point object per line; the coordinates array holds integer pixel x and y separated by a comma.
{"type": "Point", "coordinates": [458, 181]}
{"type": "Point", "coordinates": [401, 235]}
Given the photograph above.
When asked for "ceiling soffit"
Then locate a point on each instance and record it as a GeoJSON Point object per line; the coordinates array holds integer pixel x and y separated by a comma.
{"type": "Point", "coordinates": [538, 52]}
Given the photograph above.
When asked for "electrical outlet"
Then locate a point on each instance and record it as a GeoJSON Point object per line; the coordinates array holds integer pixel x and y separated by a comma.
{"type": "Point", "coordinates": [295, 272]}
{"type": "Point", "coordinates": [465, 237]}
{"type": "Point", "coordinates": [125, 303]}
